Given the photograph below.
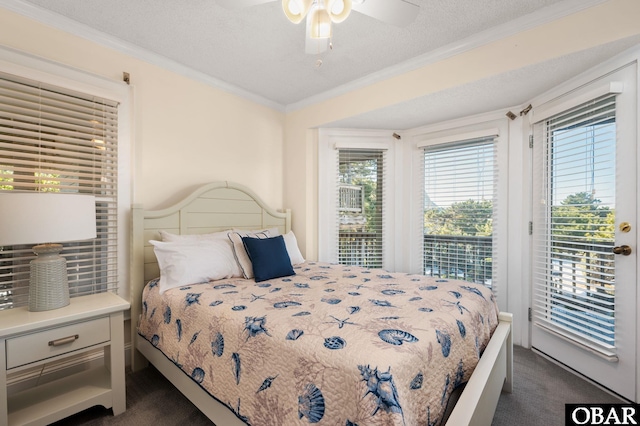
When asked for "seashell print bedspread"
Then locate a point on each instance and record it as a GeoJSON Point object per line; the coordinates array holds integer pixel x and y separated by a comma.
{"type": "Point", "coordinates": [332, 345]}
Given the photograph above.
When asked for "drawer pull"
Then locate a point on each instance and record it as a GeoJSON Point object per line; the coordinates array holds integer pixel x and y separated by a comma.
{"type": "Point", "coordinates": [64, 340]}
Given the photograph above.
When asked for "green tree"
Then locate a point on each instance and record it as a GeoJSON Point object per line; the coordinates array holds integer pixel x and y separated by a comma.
{"type": "Point", "coordinates": [449, 257]}
{"type": "Point", "coordinates": [580, 216]}
{"type": "Point", "coordinates": [471, 218]}
{"type": "Point", "coordinates": [361, 244]}
{"type": "Point", "coordinates": [581, 229]}
{"type": "Point", "coordinates": [6, 179]}
{"type": "Point", "coordinates": [365, 173]}
{"type": "Point", "coordinates": [47, 182]}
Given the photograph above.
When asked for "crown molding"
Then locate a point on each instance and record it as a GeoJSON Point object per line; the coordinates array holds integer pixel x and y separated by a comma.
{"type": "Point", "coordinates": [84, 31]}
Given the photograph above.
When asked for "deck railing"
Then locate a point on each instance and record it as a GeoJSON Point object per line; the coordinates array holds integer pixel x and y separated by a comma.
{"type": "Point", "coordinates": [360, 248]}
{"type": "Point", "coordinates": [460, 257]}
{"type": "Point", "coordinates": [350, 198]}
{"type": "Point", "coordinates": [467, 258]}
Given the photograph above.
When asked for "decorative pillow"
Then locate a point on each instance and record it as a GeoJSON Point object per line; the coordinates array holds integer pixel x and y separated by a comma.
{"type": "Point", "coordinates": [192, 262]}
{"type": "Point", "coordinates": [240, 252]}
{"type": "Point", "coordinates": [167, 236]}
{"type": "Point", "coordinates": [292, 248]}
{"type": "Point", "coordinates": [269, 257]}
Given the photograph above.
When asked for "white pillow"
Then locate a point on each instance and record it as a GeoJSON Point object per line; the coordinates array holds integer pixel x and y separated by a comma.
{"type": "Point", "coordinates": [292, 248]}
{"type": "Point", "coordinates": [242, 257]}
{"type": "Point", "coordinates": [192, 262]}
{"type": "Point", "coordinates": [167, 236]}
{"type": "Point", "coordinates": [272, 232]}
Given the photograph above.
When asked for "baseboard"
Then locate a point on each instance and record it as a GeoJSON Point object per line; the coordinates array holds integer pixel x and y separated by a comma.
{"type": "Point", "coordinates": [31, 377]}
{"type": "Point", "coordinates": [577, 373]}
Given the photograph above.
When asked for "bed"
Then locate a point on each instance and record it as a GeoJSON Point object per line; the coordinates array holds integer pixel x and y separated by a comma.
{"type": "Point", "coordinates": [323, 311]}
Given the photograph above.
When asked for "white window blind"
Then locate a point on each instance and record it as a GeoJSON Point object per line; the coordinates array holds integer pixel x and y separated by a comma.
{"type": "Point", "coordinates": [56, 140]}
{"type": "Point", "coordinates": [361, 205]}
{"type": "Point", "coordinates": [574, 216]}
{"type": "Point", "coordinates": [460, 210]}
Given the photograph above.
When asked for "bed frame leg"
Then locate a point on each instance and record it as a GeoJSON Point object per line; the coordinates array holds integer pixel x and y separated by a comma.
{"type": "Point", "coordinates": [508, 383]}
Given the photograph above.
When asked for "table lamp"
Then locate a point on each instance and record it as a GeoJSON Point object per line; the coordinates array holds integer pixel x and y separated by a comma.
{"type": "Point", "coordinates": [46, 219]}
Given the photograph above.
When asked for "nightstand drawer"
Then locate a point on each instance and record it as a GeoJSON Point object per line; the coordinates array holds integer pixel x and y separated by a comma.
{"type": "Point", "coordinates": [56, 341]}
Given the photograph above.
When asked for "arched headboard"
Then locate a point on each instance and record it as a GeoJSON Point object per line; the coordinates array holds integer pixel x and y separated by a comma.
{"type": "Point", "coordinates": [213, 207]}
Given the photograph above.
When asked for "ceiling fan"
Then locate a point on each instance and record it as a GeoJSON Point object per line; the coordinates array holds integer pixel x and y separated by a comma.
{"type": "Point", "coordinates": [321, 14]}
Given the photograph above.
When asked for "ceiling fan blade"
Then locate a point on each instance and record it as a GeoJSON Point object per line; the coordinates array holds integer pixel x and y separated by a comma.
{"type": "Point", "coordinates": [238, 4]}
{"type": "Point", "coordinates": [395, 12]}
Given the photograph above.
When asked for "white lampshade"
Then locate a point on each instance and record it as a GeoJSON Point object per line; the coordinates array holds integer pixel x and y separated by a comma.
{"type": "Point", "coordinates": [320, 23]}
{"type": "Point", "coordinates": [44, 217]}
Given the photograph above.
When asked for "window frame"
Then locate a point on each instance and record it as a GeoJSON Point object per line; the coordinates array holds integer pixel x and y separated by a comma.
{"type": "Point", "coordinates": [52, 73]}
{"type": "Point", "coordinates": [449, 154]}
{"type": "Point", "coordinates": [404, 186]}
{"type": "Point", "coordinates": [329, 143]}
{"type": "Point", "coordinates": [350, 251]}
{"type": "Point", "coordinates": [549, 291]}
{"type": "Point", "coordinates": [450, 133]}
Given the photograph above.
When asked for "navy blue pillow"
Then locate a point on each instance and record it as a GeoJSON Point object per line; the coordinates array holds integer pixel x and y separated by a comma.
{"type": "Point", "coordinates": [269, 257]}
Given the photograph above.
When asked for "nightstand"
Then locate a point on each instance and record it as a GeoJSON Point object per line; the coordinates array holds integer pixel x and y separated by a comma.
{"type": "Point", "coordinates": [31, 339]}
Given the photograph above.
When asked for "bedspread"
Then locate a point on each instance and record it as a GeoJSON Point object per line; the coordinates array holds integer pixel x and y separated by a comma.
{"type": "Point", "coordinates": [333, 344]}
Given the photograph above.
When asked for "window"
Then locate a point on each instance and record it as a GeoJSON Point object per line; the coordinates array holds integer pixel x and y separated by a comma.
{"type": "Point", "coordinates": [459, 210]}
{"type": "Point", "coordinates": [574, 267]}
{"type": "Point", "coordinates": [361, 207]}
{"type": "Point", "coordinates": [385, 203]}
{"type": "Point", "coordinates": [53, 139]}
{"type": "Point", "coordinates": [355, 185]}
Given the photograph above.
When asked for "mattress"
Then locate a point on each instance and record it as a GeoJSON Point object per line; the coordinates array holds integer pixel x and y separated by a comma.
{"type": "Point", "coordinates": [333, 344]}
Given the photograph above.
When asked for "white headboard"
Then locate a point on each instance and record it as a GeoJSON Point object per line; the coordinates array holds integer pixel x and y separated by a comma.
{"type": "Point", "coordinates": [213, 207]}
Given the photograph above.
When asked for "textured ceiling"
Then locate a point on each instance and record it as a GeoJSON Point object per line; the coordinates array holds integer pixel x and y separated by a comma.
{"type": "Point", "coordinates": [257, 50]}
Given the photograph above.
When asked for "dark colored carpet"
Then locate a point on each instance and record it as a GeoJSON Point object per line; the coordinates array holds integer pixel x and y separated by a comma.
{"type": "Point", "coordinates": [541, 389]}
{"type": "Point", "coordinates": [151, 400]}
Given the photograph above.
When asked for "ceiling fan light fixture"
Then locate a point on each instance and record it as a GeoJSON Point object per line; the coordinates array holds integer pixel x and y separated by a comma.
{"type": "Point", "coordinates": [296, 10]}
{"type": "Point", "coordinates": [320, 23]}
{"type": "Point", "coordinates": [339, 10]}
